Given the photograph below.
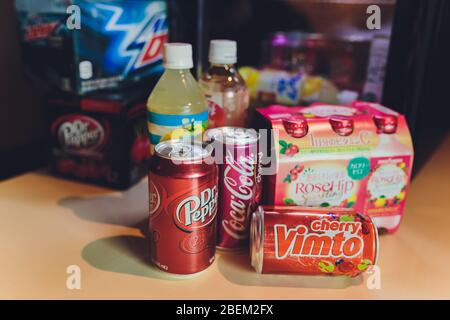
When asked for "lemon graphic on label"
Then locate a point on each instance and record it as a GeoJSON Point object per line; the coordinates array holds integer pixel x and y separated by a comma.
{"type": "Point", "coordinates": [188, 128]}
{"type": "Point", "coordinates": [352, 198]}
{"type": "Point", "coordinates": [380, 202]}
{"type": "Point", "coordinates": [351, 201]}
{"type": "Point", "coordinates": [176, 134]}
{"type": "Point", "coordinates": [401, 196]}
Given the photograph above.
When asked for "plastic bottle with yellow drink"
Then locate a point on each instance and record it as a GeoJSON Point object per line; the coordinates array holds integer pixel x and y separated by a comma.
{"type": "Point", "coordinates": [177, 108]}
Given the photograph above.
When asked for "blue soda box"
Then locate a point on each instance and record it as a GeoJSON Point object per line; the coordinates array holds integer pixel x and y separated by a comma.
{"type": "Point", "coordinates": [81, 46]}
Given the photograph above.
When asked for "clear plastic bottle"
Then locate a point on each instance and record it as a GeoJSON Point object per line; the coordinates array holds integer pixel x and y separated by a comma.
{"type": "Point", "coordinates": [224, 88]}
{"type": "Point", "coordinates": [177, 108]}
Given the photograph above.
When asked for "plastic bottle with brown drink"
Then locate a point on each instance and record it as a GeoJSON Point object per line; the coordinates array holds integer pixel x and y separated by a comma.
{"type": "Point", "coordinates": [224, 88]}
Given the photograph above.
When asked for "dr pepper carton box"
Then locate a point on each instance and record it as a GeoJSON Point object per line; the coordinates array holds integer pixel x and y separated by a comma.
{"type": "Point", "coordinates": [356, 156]}
{"type": "Point", "coordinates": [99, 138]}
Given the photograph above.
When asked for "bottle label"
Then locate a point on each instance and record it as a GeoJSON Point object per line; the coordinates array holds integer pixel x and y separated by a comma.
{"type": "Point", "coordinates": [284, 87]}
{"type": "Point", "coordinates": [216, 110]}
{"type": "Point", "coordinates": [228, 108]}
{"type": "Point", "coordinates": [319, 184]}
{"type": "Point", "coordinates": [173, 126]}
{"type": "Point", "coordinates": [386, 186]}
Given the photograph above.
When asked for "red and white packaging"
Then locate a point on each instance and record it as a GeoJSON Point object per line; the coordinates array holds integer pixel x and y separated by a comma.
{"type": "Point", "coordinates": [357, 156]}
{"type": "Point", "coordinates": [240, 183]}
{"type": "Point", "coordinates": [182, 208]}
{"type": "Point", "coordinates": [312, 241]}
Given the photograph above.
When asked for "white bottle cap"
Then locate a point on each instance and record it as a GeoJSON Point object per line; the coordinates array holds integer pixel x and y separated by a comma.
{"type": "Point", "coordinates": [178, 55]}
{"type": "Point", "coordinates": [222, 51]}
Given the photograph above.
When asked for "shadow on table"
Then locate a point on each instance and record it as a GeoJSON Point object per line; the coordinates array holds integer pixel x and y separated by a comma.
{"type": "Point", "coordinates": [236, 268]}
{"type": "Point", "coordinates": [130, 254]}
{"type": "Point", "coordinates": [128, 208]}
{"type": "Point", "coordinates": [124, 254]}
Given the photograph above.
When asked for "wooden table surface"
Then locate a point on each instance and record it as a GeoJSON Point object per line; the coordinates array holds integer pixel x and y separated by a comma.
{"type": "Point", "coordinates": [48, 224]}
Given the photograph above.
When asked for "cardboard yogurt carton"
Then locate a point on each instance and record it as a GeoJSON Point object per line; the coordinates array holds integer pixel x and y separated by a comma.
{"type": "Point", "coordinates": [339, 156]}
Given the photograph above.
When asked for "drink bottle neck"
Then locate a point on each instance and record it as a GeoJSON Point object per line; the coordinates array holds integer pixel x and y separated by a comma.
{"type": "Point", "coordinates": [183, 74]}
{"type": "Point", "coordinates": [179, 71]}
{"type": "Point", "coordinates": [227, 66]}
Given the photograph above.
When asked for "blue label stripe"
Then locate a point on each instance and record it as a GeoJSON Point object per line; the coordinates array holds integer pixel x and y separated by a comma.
{"type": "Point", "coordinates": [154, 138]}
{"type": "Point", "coordinates": [175, 119]}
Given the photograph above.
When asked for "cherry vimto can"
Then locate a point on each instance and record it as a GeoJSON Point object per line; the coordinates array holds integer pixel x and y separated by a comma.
{"type": "Point", "coordinates": [240, 184]}
{"type": "Point", "coordinates": [183, 195]}
{"type": "Point", "coordinates": [312, 241]}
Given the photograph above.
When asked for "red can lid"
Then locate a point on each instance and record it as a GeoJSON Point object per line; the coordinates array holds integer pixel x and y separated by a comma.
{"type": "Point", "coordinates": [343, 126]}
{"type": "Point", "coordinates": [386, 123]}
{"type": "Point", "coordinates": [232, 135]}
{"type": "Point", "coordinates": [296, 126]}
{"type": "Point", "coordinates": [181, 150]}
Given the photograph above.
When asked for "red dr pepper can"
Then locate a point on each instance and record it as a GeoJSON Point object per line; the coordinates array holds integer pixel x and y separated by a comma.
{"type": "Point", "coordinates": [240, 184]}
{"type": "Point", "coordinates": [312, 241]}
{"type": "Point", "coordinates": [183, 196]}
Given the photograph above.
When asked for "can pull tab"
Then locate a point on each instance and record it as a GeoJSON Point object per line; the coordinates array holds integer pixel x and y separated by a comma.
{"type": "Point", "coordinates": [182, 151]}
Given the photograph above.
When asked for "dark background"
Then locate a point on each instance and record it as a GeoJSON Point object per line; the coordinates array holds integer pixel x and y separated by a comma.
{"type": "Point", "coordinates": [22, 128]}
{"type": "Point", "coordinates": [417, 78]}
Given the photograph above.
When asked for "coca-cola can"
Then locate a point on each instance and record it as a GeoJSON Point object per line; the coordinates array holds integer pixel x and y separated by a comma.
{"type": "Point", "coordinates": [312, 241]}
{"type": "Point", "coordinates": [240, 184]}
{"type": "Point", "coordinates": [183, 195]}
